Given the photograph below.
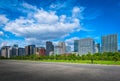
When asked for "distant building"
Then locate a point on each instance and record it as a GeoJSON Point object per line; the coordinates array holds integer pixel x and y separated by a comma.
{"type": "Point", "coordinates": [42, 51]}
{"type": "Point", "coordinates": [86, 46]}
{"type": "Point", "coordinates": [21, 51]}
{"type": "Point", "coordinates": [97, 48]}
{"type": "Point", "coordinates": [4, 51]}
{"type": "Point", "coordinates": [76, 45]}
{"type": "Point", "coordinates": [37, 50]}
{"type": "Point", "coordinates": [57, 50]}
{"type": "Point", "coordinates": [110, 43]}
{"type": "Point", "coordinates": [49, 47]}
{"type": "Point", "coordinates": [32, 47]}
{"type": "Point", "coordinates": [68, 49]}
{"type": "Point", "coordinates": [63, 47]}
{"type": "Point", "coordinates": [29, 50]}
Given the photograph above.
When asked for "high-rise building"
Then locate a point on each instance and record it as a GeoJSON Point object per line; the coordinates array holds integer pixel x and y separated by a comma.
{"type": "Point", "coordinates": [57, 50]}
{"type": "Point", "coordinates": [21, 51]}
{"type": "Point", "coordinates": [75, 45]}
{"type": "Point", "coordinates": [30, 49]}
{"type": "Point", "coordinates": [49, 47]}
{"type": "Point", "coordinates": [42, 51]}
{"type": "Point", "coordinates": [37, 50]}
{"type": "Point", "coordinates": [27, 50]}
{"type": "Point", "coordinates": [97, 48]}
{"type": "Point", "coordinates": [110, 43]}
{"type": "Point", "coordinates": [86, 46]}
{"type": "Point", "coordinates": [5, 52]}
{"type": "Point", "coordinates": [68, 49]}
{"type": "Point", "coordinates": [63, 47]}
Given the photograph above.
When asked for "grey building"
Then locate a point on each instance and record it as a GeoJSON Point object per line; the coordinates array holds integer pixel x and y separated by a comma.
{"type": "Point", "coordinates": [68, 49]}
{"type": "Point", "coordinates": [97, 48]}
{"type": "Point", "coordinates": [86, 46]}
{"type": "Point", "coordinates": [63, 47]}
{"type": "Point", "coordinates": [29, 50]}
{"type": "Point", "coordinates": [49, 47]}
{"type": "Point", "coordinates": [110, 43]}
{"type": "Point", "coordinates": [5, 51]}
{"type": "Point", "coordinates": [21, 51]}
{"type": "Point", "coordinates": [75, 45]}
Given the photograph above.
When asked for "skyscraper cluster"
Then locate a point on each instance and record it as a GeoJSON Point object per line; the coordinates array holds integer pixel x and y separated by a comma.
{"type": "Point", "coordinates": [9, 51]}
{"type": "Point", "coordinates": [109, 43]}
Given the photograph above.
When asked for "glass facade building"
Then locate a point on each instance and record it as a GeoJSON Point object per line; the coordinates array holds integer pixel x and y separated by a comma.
{"type": "Point", "coordinates": [49, 47]}
{"type": "Point", "coordinates": [86, 46]}
{"type": "Point", "coordinates": [75, 45]}
{"type": "Point", "coordinates": [110, 43]}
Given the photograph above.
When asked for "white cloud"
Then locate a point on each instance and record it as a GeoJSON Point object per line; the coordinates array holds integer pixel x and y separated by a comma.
{"type": "Point", "coordinates": [43, 25]}
{"type": "Point", "coordinates": [70, 41]}
{"type": "Point", "coordinates": [77, 12]}
{"type": "Point", "coordinates": [1, 33]}
{"type": "Point", "coordinates": [3, 19]}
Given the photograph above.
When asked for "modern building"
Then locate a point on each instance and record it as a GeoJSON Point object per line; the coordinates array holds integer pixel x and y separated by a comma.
{"type": "Point", "coordinates": [30, 49]}
{"type": "Point", "coordinates": [63, 47]}
{"type": "Point", "coordinates": [37, 50]}
{"type": "Point", "coordinates": [86, 46]}
{"type": "Point", "coordinates": [42, 51]}
{"type": "Point", "coordinates": [76, 45]}
{"type": "Point", "coordinates": [68, 49]}
{"type": "Point", "coordinates": [49, 47]}
{"type": "Point", "coordinates": [5, 52]}
{"type": "Point", "coordinates": [110, 43]}
{"type": "Point", "coordinates": [57, 50]}
{"type": "Point", "coordinates": [97, 48]}
{"type": "Point", "coordinates": [21, 51]}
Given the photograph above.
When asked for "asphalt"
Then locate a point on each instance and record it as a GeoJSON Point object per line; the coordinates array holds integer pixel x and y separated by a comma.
{"type": "Point", "coordinates": [41, 71]}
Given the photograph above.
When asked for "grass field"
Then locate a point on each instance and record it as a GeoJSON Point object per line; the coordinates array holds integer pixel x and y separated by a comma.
{"type": "Point", "coordinates": [84, 62]}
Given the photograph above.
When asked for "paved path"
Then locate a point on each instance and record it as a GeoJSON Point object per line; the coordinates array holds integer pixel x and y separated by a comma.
{"type": "Point", "coordinates": [39, 71]}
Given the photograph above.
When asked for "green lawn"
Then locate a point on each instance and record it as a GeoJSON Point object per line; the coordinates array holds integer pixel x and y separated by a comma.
{"type": "Point", "coordinates": [84, 62]}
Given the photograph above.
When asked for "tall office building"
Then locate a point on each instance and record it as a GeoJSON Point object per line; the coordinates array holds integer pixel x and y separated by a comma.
{"type": "Point", "coordinates": [86, 46]}
{"type": "Point", "coordinates": [97, 48]}
{"type": "Point", "coordinates": [68, 49]}
{"type": "Point", "coordinates": [21, 51]}
{"type": "Point", "coordinates": [42, 51]}
{"type": "Point", "coordinates": [49, 47]}
{"type": "Point", "coordinates": [57, 50]}
{"type": "Point", "coordinates": [30, 49]}
{"type": "Point", "coordinates": [37, 50]}
{"type": "Point", "coordinates": [110, 43]}
{"type": "Point", "coordinates": [63, 47]}
{"type": "Point", "coordinates": [5, 51]}
{"type": "Point", "coordinates": [75, 45]}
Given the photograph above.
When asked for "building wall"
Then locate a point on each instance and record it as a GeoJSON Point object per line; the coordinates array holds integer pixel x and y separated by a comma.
{"type": "Point", "coordinates": [86, 46]}
{"type": "Point", "coordinates": [57, 50]}
{"type": "Point", "coordinates": [42, 51]}
{"type": "Point", "coordinates": [21, 51]}
{"type": "Point", "coordinates": [97, 48]}
{"type": "Point", "coordinates": [49, 47]}
{"type": "Point", "coordinates": [62, 47]}
{"type": "Point", "coordinates": [110, 43]}
{"type": "Point", "coordinates": [75, 45]}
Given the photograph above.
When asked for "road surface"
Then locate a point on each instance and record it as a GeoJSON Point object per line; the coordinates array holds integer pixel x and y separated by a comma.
{"type": "Point", "coordinates": [40, 71]}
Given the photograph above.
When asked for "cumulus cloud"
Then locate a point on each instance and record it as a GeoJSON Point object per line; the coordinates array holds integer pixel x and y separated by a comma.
{"type": "Point", "coordinates": [40, 24]}
{"type": "Point", "coordinates": [77, 12]}
{"type": "Point", "coordinates": [3, 19]}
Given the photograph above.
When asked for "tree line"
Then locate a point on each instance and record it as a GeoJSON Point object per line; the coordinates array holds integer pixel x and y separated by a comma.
{"type": "Point", "coordinates": [106, 56]}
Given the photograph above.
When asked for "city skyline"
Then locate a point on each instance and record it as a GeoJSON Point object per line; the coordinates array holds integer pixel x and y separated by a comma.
{"type": "Point", "coordinates": [27, 22]}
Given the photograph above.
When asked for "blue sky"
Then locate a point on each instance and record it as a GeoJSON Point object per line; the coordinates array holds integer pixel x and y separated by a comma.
{"type": "Point", "coordinates": [36, 21]}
